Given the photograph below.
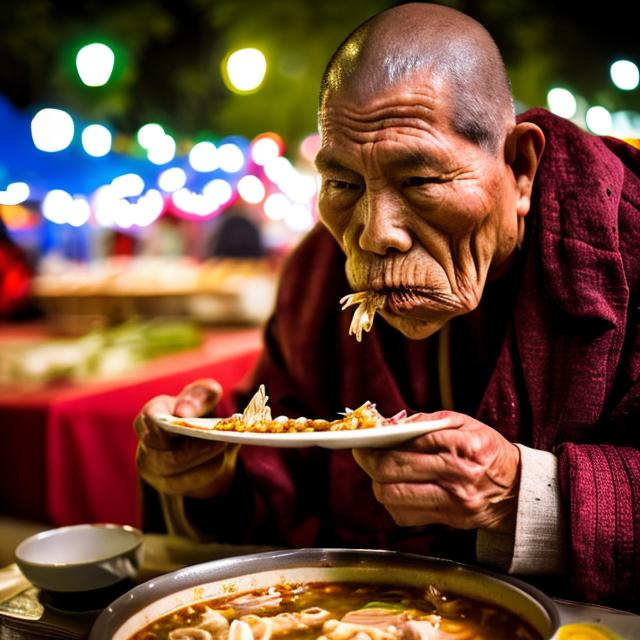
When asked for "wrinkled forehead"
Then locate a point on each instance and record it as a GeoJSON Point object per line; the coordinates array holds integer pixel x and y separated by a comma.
{"type": "Point", "coordinates": [416, 94]}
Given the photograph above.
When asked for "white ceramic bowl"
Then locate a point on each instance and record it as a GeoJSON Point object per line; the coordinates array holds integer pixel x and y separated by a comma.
{"type": "Point", "coordinates": [81, 557]}
{"type": "Point", "coordinates": [153, 599]}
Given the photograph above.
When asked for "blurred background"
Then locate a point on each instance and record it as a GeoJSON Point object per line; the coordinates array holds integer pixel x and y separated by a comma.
{"type": "Point", "coordinates": [156, 167]}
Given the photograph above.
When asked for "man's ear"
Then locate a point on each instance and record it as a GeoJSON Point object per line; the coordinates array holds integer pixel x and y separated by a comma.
{"type": "Point", "coordinates": [523, 149]}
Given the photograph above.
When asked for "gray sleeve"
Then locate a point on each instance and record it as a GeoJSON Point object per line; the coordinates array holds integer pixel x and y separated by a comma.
{"type": "Point", "coordinates": [538, 545]}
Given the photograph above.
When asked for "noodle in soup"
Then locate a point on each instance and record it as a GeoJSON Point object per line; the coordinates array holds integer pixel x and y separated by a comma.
{"type": "Point", "coordinates": [339, 611]}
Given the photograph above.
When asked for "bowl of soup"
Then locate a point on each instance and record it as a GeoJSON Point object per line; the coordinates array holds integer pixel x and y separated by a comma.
{"type": "Point", "coordinates": [330, 594]}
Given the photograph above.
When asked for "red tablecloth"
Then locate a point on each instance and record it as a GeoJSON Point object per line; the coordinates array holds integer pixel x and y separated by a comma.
{"type": "Point", "coordinates": [67, 454]}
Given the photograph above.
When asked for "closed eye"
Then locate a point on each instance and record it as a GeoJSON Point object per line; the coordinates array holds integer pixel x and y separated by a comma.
{"type": "Point", "coordinates": [343, 184]}
{"type": "Point", "coordinates": [419, 181]}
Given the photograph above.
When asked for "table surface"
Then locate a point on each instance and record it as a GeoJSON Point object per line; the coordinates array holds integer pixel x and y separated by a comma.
{"type": "Point", "coordinates": [67, 452]}
{"type": "Point", "coordinates": [167, 553]}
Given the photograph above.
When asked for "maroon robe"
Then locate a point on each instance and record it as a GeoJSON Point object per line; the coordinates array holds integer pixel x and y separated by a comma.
{"type": "Point", "coordinates": [552, 362]}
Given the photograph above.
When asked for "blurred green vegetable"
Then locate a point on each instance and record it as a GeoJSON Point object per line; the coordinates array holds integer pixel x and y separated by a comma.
{"type": "Point", "coordinates": [98, 354]}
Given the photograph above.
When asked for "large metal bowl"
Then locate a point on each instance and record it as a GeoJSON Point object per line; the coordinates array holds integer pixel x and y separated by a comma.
{"type": "Point", "coordinates": [157, 597]}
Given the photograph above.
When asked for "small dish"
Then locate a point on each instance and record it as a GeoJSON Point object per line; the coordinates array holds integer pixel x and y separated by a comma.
{"type": "Point", "coordinates": [383, 436]}
{"type": "Point", "coordinates": [83, 557]}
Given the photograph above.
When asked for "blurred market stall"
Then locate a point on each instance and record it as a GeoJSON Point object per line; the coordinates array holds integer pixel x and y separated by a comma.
{"type": "Point", "coordinates": [67, 444]}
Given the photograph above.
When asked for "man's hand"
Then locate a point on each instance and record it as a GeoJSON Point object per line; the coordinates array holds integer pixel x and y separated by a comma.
{"type": "Point", "coordinates": [178, 465]}
{"type": "Point", "coordinates": [465, 476]}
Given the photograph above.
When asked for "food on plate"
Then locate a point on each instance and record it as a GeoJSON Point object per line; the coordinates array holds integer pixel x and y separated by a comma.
{"type": "Point", "coordinates": [368, 303]}
{"type": "Point", "coordinates": [256, 418]}
{"type": "Point", "coordinates": [339, 611]}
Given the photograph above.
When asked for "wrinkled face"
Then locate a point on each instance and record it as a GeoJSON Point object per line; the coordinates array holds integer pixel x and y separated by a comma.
{"type": "Point", "coordinates": [421, 213]}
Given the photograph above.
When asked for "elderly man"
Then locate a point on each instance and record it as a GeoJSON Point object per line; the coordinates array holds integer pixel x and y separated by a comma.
{"type": "Point", "coordinates": [507, 280]}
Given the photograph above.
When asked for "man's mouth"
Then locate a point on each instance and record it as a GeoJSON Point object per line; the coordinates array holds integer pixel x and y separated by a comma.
{"type": "Point", "coordinates": [404, 299]}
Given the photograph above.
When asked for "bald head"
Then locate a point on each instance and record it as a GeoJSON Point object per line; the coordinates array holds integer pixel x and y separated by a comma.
{"type": "Point", "coordinates": [439, 43]}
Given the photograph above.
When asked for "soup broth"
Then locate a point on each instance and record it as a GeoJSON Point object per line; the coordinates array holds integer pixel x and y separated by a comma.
{"type": "Point", "coordinates": [339, 611]}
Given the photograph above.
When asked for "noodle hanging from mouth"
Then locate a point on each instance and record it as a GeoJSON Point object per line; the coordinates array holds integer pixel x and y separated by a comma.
{"type": "Point", "coordinates": [368, 303]}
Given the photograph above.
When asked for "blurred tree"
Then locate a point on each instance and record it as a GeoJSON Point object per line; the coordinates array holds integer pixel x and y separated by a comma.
{"type": "Point", "coordinates": [170, 55]}
{"type": "Point", "coordinates": [297, 38]}
{"type": "Point", "coordinates": [570, 43]}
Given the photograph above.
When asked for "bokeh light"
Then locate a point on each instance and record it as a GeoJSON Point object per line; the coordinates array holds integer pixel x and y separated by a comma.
{"type": "Point", "coordinates": [231, 157]}
{"type": "Point", "coordinates": [79, 212]}
{"type": "Point", "coordinates": [197, 204]}
{"type": "Point", "coordinates": [203, 157]}
{"type": "Point", "coordinates": [149, 134]}
{"type": "Point", "coordinates": [110, 209]}
{"type": "Point", "coordinates": [60, 207]}
{"type": "Point", "coordinates": [299, 218]}
{"type": "Point", "coordinates": [219, 191]}
{"type": "Point", "coordinates": [251, 189]}
{"type": "Point", "coordinates": [55, 205]}
{"type": "Point", "coordinates": [148, 208]}
{"type": "Point", "coordinates": [127, 185]}
{"type": "Point", "coordinates": [310, 146]}
{"type": "Point", "coordinates": [94, 63]}
{"type": "Point", "coordinates": [277, 206]}
{"type": "Point", "coordinates": [562, 102]}
{"type": "Point", "coordinates": [265, 148]}
{"type": "Point", "coordinates": [599, 120]}
{"type": "Point", "coordinates": [299, 187]}
{"type": "Point", "coordinates": [244, 70]}
{"type": "Point", "coordinates": [52, 130]}
{"type": "Point", "coordinates": [15, 193]}
{"type": "Point", "coordinates": [162, 150]}
{"type": "Point", "coordinates": [625, 75]}
{"type": "Point", "coordinates": [96, 140]}
{"type": "Point", "coordinates": [280, 170]}
{"type": "Point", "coordinates": [172, 179]}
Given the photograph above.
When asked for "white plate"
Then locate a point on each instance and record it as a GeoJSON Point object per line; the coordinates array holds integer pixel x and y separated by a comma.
{"type": "Point", "coordinates": [372, 437]}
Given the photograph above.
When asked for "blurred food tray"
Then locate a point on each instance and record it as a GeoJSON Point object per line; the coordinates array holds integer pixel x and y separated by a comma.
{"type": "Point", "coordinates": [78, 297]}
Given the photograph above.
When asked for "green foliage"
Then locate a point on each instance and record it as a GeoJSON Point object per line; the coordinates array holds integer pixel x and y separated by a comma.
{"type": "Point", "coordinates": [171, 53]}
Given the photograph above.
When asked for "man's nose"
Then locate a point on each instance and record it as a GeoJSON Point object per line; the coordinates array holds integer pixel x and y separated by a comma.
{"type": "Point", "coordinates": [383, 224]}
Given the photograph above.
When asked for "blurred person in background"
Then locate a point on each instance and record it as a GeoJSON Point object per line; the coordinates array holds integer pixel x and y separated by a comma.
{"type": "Point", "coordinates": [507, 253]}
{"type": "Point", "coordinates": [236, 235]}
{"type": "Point", "coordinates": [15, 278]}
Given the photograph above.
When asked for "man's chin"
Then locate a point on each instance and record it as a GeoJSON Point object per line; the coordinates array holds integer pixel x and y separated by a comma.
{"type": "Point", "coordinates": [415, 328]}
